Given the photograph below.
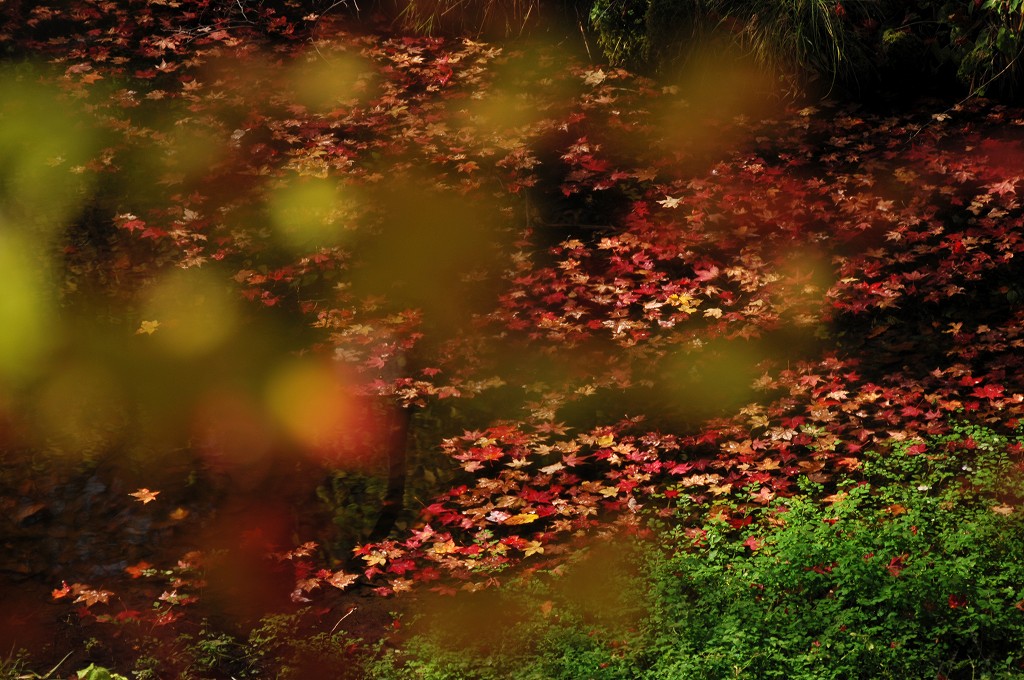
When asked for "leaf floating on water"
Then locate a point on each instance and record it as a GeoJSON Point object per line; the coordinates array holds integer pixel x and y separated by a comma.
{"type": "Point", "coordinates": [145, 495]}
{"type": "Point", "coordinates": [341, 580]}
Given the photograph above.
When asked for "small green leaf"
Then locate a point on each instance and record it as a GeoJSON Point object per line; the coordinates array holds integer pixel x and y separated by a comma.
{"type": "Point", "coordinates": [94, 672]}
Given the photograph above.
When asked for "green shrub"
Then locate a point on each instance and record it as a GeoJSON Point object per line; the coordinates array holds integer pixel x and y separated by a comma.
{"type": "Point", "coordinates": [916, 571]}
{"type": "Point", "coordinates": [993, 36]}
{"type": "Point", "coordinates": [285, 648]}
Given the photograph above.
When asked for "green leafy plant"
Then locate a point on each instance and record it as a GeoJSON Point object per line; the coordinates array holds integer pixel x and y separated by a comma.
{"type": "Point", "coordinates": [913, 571]}
{"type": "Point", "coordinates": [621, 28]}
{"type": "Point", "coordinates": [94, 672]}
{"type": "Point", "coordinates": [995, 40]}
{"type": "Point", "coordinates": [282, 645]}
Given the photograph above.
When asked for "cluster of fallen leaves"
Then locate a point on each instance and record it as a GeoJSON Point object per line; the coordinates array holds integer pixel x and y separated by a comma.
{"type": "Point", "coordinates": [858, 265]}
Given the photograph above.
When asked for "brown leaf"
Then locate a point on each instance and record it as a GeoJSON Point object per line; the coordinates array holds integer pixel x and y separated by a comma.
{"type": "Point", "coordinates": [341, 580]}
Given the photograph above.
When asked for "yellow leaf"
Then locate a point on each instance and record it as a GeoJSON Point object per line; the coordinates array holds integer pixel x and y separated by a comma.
{"type": "Point", "coordinates": [445, 547]}
{"type": "Point", "coordinates": [401, 585]}
{"type": "Point", "coordinates": [375, 558]}
{"type": "Point", "coordinates": [147, 327]}
{"type": "Point", "coordinates": [179, 514]}
{"type": "Point", "coordinates": [522, 518]}
{"type": "Point", "coordinates": [720, 490]}
{"type": "Point", "coordinates": [533, 547]}
{"type": "Point", "coordinates": [145, 495]}
{"type": "Point", "coordinates": [684, 302]}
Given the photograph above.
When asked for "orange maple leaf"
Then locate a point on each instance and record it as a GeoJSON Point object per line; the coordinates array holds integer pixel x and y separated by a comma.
{"type": "Point", "coordinates": [135, 571]}
{"type": "Point", "coordinates": [522, 518]}
{"type": "Point", "coordinates": [145, 495]}
{"type": "Point", "coordinates": [341, 580]}
{"type": "Point", "coordinates": [90, 596]}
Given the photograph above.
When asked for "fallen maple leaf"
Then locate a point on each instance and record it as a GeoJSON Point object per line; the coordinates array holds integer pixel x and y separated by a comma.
{"type": "Point", "coordinates": [522, 518]}
{"type": "Point", "coordinates": [375, 558]}
{"type": "Point", "coordinates": [145, 495]}
{"type": "Point", "coordinates": [988, 392]}
{"type": "Point", "coordinates": [136, 570]}
{"type": "Point", "coordinates": [90, 596]}
{"type": "Point", "coordinates": [341, 580]}
{"type": "Point", "coordinates": [1006, 186]}
{"type": "Point", "coordinates": [897, 564]}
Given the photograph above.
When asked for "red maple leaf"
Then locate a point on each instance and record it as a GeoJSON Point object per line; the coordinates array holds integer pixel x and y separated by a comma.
{"type": "Point", "coordinates": [988, 392]}
{"type": "Point", "coordinates": [896, 565]}
{"type": "Point", "coordinates": [753, 543]}
{"type": "Point", "coordinates": [1006, 186]}
{"type": "Point", "coordinates": [136, 570]}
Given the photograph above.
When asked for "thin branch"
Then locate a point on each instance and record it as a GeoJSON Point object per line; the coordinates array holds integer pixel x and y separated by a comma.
{"type": "Point", "coordinates": [347, 614]}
